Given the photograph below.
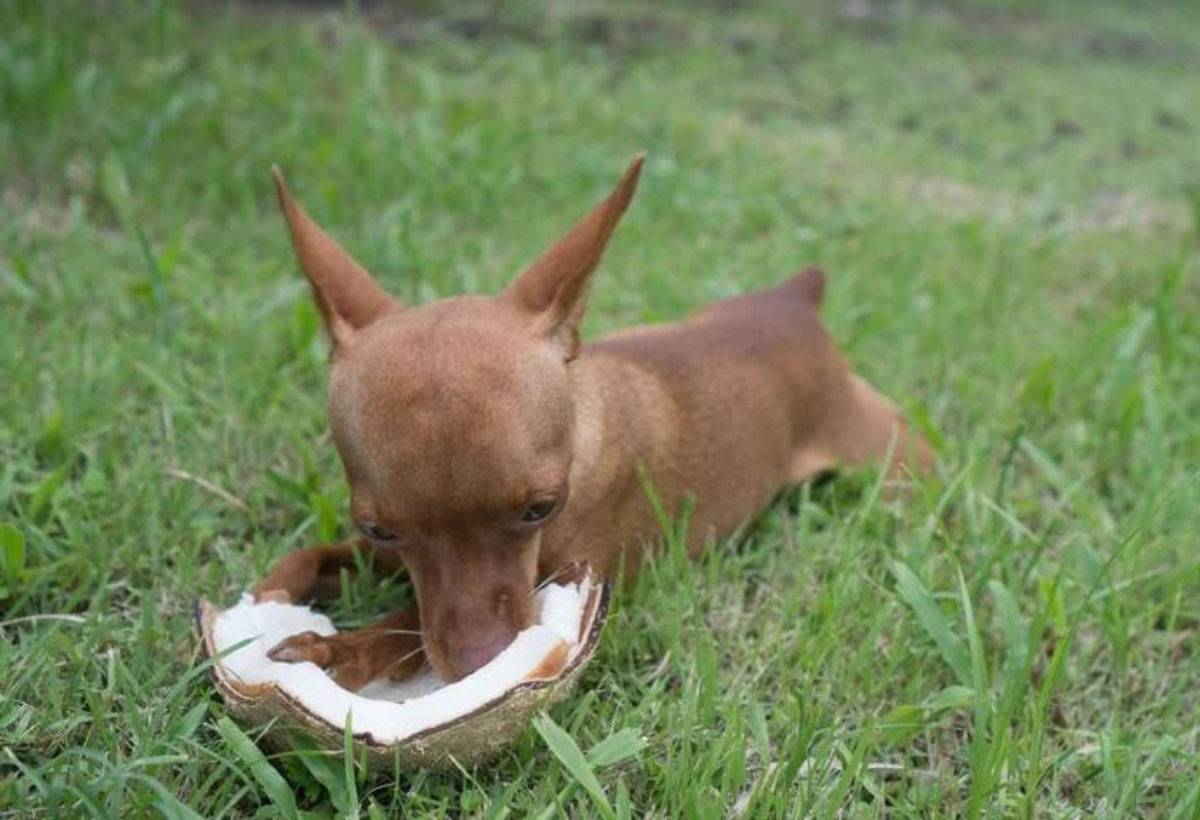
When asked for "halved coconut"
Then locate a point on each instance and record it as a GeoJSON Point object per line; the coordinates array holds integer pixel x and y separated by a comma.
{"type": "Point", "coordinates": [419, 721]}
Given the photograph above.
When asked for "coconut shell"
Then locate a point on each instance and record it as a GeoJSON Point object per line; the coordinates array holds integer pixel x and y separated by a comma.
{"type": "Point", "coordinates": [469, 738]}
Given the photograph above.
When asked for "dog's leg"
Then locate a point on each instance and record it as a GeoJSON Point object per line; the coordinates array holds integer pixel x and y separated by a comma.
{"type": "Point", "coordinates": [866, 429]}
{"type": "Point", "coordinates": [316, 572]}
{"type": "Point", "coordinates": [388, 648]}
{"type": "Point", "coordinates": [877, 428]}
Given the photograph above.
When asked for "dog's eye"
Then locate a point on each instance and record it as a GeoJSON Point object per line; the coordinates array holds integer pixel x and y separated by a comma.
{"type": "Point", "coordinates": [376, 532]}
{"type": "Point", "coordinates": [539, 511]}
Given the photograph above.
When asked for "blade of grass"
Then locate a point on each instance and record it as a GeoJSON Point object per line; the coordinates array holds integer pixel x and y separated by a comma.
{"type": "Point", "coordinates": [931, 618]}
{"type": "Point", "coordinates": [266, 775]}
{"type": "Point", "coordinates": [564, 747]}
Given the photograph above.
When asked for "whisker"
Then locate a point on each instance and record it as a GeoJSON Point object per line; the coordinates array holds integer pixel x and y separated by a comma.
{"type": "Point", "coordinates": [558, 573]}
{"type": "Point", "coordinates": [400, 660]}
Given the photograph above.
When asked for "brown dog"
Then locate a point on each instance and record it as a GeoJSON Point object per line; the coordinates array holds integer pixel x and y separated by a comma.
{"type": "Point", "coordinates": [486, 448]}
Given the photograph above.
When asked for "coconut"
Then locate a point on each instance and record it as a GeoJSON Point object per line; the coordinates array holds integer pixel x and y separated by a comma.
{"type": "Point", "coordinates": [420, 721]}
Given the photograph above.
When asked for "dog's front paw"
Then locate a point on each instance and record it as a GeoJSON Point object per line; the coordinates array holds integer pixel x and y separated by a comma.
{"type": "Point", "coordinates": [345, 660]}
{"type": "Point", "coordinates": [305, 646]}
{"type": "Point", "coordinates": [272, 596]}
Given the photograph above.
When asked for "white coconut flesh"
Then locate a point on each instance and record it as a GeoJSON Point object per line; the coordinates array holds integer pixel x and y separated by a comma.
{"type": "Point", "coordinates": [392, 711]}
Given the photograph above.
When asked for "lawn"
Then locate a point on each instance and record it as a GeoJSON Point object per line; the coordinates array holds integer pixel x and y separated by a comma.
{"type": "Point", "coordinates": [1006, 198]}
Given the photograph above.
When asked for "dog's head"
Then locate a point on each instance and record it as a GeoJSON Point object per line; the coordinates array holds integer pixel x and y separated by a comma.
{"type": "Point", "coordinates": [454, 422]}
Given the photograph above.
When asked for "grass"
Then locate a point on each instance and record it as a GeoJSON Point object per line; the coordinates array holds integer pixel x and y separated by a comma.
{"type": "Point", "coordinates": [1006, 198]}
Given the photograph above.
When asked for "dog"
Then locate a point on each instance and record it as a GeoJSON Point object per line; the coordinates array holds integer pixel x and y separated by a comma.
{"type": "Point", "coordinates": [486, 448]}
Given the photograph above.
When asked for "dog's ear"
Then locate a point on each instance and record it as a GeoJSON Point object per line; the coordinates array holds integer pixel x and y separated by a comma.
{"type": "Point", "coordinates": [554, 288]}
{"type": "Point", "coordinates": [345, 293]}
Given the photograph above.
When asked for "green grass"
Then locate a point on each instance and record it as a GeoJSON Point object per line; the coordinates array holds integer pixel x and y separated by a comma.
{"type": "Point", "coordinates": [1006, 198]}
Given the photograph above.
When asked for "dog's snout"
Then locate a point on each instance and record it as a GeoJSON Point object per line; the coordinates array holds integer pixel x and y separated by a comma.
{"type": "Point", "coordinates": [474, 655]}
{"type": "Point", "coordinates": [467, 626]}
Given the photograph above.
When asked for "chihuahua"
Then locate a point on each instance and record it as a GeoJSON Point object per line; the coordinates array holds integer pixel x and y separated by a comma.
{"type": "Point", "coordinates": [486, 448]}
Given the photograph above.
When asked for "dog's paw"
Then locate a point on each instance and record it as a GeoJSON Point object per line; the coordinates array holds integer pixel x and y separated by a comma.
{"type": "Point", "coordinates": [305, 646]}
{"type": "Point", "coordinates": [342, 658]}
{"type": "Point", "coordinates": [276, 596]}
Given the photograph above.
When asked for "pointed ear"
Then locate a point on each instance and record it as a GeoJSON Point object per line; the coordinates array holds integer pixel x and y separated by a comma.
{"type": "Point", "coordinates": [345, 293]}
{"type": "Point", "coordinates": [554, 288]}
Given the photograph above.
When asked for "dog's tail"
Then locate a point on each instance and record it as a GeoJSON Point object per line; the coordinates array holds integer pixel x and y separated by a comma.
{"type": "Point", "coordinates": [809, 284]}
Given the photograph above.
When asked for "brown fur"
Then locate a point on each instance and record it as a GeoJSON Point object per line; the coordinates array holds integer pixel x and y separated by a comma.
{"type": "Point", "coordinates": [453, 418]}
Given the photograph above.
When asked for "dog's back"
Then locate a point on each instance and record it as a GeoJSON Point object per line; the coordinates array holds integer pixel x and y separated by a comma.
{"type": "Point", "coordinates": [727, 406]}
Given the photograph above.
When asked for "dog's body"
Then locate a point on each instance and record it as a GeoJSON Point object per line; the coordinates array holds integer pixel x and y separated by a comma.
{"type": "Point", "coordinates": [674, 404]}
{"type": "Point", "coordinates": [486, 449]}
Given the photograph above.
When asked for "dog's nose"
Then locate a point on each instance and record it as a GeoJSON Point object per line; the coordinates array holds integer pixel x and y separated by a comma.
{"type": "Point", "coordinates": [470, 657]}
